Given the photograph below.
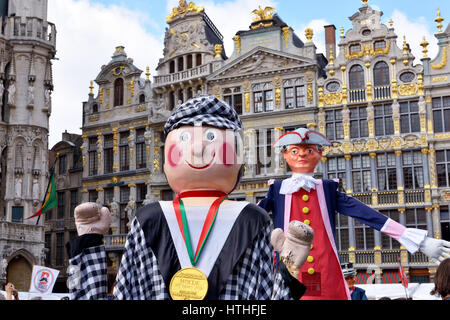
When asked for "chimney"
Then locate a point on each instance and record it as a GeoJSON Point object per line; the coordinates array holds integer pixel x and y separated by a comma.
{"type": "Point", "coordinates": [65, 136]}
{"type": "Point", "coordinates": [330, 40]}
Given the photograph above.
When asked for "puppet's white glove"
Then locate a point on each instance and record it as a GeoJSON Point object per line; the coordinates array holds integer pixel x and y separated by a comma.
{"type": "Point", "coordinates": [436, 249]}
{"type": "Point", "coordinates": [90, 218]}
{"type": "Point", "coordinates": [295, 247]}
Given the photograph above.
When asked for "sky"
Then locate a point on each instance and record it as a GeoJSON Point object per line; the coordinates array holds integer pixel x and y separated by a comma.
{"type": "Point", "coordinates": [89, 30]}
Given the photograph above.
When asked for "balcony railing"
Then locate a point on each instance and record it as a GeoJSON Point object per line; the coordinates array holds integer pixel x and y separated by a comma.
{"type": "Point", "coordinates": [389, 198]}
{"type": "Point", "coordinates": [11, 231]}
{"type": "Point", "coordinates": [186, 75]}
{"type": "Point", "coordinates": [115, 241]}
{"type": "Point", "coordinates": [388, 257]}
{"type": "Point", "coordinates": [382, 93]}
{"type": "Point", "coordinates": [358, 95]}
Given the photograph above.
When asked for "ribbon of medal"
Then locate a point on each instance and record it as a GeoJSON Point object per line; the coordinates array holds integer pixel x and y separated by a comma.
{"type": "Point", "coordinates": [191, 283]}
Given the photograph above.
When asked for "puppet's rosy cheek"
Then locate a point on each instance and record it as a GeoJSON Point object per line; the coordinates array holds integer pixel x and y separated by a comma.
{"type": "Point", "coordinates": [228, 155]}
{"type": "Point", "coordinates": [174, 156]}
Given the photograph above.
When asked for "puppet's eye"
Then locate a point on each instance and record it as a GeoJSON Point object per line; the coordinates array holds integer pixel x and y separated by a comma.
{"type": "Point", "coordinates": [185, 136]}
{"type": "Point", "coordinates": [295, 151]}
{"type": "Point", "coordinates": [210, 135]}
{"type": "Point", "coordinates": [310, 151]}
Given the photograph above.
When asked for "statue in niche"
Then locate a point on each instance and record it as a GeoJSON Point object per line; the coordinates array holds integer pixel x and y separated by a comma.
{"type": "Point", "coordinates": [48, 100]}
{"type": "Point", "coordinates": [18, 187]}
{"type": "Point", "coordinates": [115, 216]}
{"type": "Point", "coordinates": [30, 95]}
{"type": "Point", "coordinates": [12, 94]}
{"type": "Point", "coordinates": [130, 209]}
{"type": "Point", "coordinates": [2, 89]}
{"type": "Point", "coordinates": [35, 192]}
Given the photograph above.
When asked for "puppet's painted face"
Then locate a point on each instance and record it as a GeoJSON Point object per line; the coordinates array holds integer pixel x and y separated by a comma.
{"type": "Point", "coordinates": [202, 158]}
{"type": "Point", "coordinates": [302, 158]}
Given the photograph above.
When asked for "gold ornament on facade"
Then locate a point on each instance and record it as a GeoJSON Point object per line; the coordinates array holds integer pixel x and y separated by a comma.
{"type": "Point", "coordinates": [443, 62]}
{"type": "Point", "coordinates": [237, 44]}
{"type": "Point", "coordinates": [286, 33]}
{"type": "Point", "coordinates": [182, 9]}
{"type": "Point", "coordinates": [424, 44]}
{"type": "Point", "coordinates": [100, 95]}
{"type": "Point", "coordinates": [277, 81]}
{"type": "Point", "coordinates": [391, 23]}
{"type": "Point", "coordinates": [218, 48]}
{"type": "Point", "coordinates": [359, 54]}
{"type": "Point", "coordinates": [310, 93]}
{"type": "Point", "coordinates": [278, 97]}
{"type": "Point", "coordinates": [439, 20]}
{"type": "Point", "coordinates": [247, 102]}
{"type": "Point", "coordinates": [147, 74]}
{"type": "Point", "coordinates": [408, 89]}
{"type": "Point", "coordinates": [263, 14]}
{"type": "Point", "coordinates": [309, 33]}
{"type": "Point", "coordinates": [321, 97]}
{"type": "Point", "coordinates": [332, 99]}
{"type": "Point", "coordinates": [91, 88]}
{"type": "Point", "coordinates": [381, 51]}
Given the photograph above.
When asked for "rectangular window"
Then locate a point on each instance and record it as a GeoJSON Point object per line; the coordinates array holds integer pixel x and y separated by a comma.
{"type": "Point", "coordinates": [109, 195]}
{"type": "Point", "coordinates": [384, 125]}
{"type": "Point", "coordinates": [334, 127]}
{"type": "Point", "coordinates": [443, 167]}
{"type": "Point", "coordinates": [361, 173]}
{"type": "Point", "coordinates": [258, 101]}
{"type": "Point", "coordinates": [412, 170]}
{"type": "Point", "coordinates": [108, 153]}
{"type": "Point", "coordinates": [93, 195]}
{"type": "Point", "coordinates": [342, 233]}
{"type": "Point", "coordinates": [48, 246]}
{"type": "Point", "coordinates": [59, 249]}
{"type": "Point", "coordinates": [336, 170]}
{"type": "Point", "coordinates": [387, 242]}
{"type": "Point", "coordinates": [93, 164]}
{"type": "Point", "coordinates": [358, 123]}
{"type": "Point", "coordinates": [263, 98]}
{"type": "Point", "coordinates": [73, 201]}
{"type": "Point", "coordinates": [17, 214]}
{"type": "Point", "coordinates": [141, 155]}
{"type": "Point", "coordinates": [409, 117]}
{"type": "Point", "coordinates": [386, 172]}
{"type": "Point", "coordinates": [62, 164]}
{"type": "Point", "coordinates": [441, 114]}
{"type": "Point", "coordinates": [264, 151]}
{"type": "Point", "coordinates": [61, 205]}
{"type": "Point", "coordinates": [294, 97]}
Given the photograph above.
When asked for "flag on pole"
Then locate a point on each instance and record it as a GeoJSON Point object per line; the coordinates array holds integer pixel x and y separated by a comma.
{"type": "Point", "coordinates": [50, 201]}
{"type": "Point", "coordinates": [403, 277]}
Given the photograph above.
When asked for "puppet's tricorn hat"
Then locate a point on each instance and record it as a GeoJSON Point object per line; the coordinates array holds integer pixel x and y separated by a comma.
{"type": "Point", "coordinates": [302, 136]}
{"type": "Point", "coordinates": [204, 110]}
{"type": "Point", "coordinates": [347, 269]}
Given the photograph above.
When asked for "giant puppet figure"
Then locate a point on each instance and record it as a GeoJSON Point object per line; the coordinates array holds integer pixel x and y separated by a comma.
{"type": "Point", "coordinates": [315, 202]}
{"type": "Point", "coordinates": [200, 245]}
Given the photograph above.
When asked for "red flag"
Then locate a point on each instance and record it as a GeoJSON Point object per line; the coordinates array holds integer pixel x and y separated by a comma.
{"type": "Point", "coordinates": [403, 277]}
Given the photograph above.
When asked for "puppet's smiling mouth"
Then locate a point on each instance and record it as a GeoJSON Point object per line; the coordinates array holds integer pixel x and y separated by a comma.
{"type": "Point", "coordinates": [203, 167]}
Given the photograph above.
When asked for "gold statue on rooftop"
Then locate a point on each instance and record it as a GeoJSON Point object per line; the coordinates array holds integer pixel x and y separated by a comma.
{"type": "Point", "coordinates": [263, 14]}
{"type": "Point", "coordinates": [184, 8]}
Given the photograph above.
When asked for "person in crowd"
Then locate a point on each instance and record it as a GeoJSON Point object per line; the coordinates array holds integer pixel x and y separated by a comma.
{"type": "Point", "coordinates": [442, 280]}
{"type": "Point", "coordinates": [349, 272]}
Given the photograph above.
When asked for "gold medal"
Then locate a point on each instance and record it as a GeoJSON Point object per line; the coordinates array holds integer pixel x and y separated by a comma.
{"type": "Point", "coordinates": [188, 284]}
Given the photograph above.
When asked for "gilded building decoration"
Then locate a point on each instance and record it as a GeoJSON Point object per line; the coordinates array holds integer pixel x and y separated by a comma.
{"type": "Point", "coordinates": [333, 98]}
{"type": "Point", "coordinates": [372, 145]}
{"type": "Point", "coordinates": [309, 33]}
{"type": "Point", "coordinates": [247, 102]}
{"type": "Point", "coordinates": [286, 33]}
{"type": "Point", "coordinates": [443, 62]}
{"type": "Point", "coordinates": [100, 95]}
{"type": "Point", "coordinates": [117, 71]}
{"type": "Point", "coordinates": [218, 48]}
{"type": "Point", "coordinates": [310, 93]}
{"type": "Point", "coordinates": [237, 44]}
{"type": "Point", "coordinates": [381, 51]}
{"type": "Point", "coordinates": [278, 97]}
{"type": "Point", "coordinates": [408, 89]}
{"type": "Point", "coordinates": [182, 9]}
{"type": "Point", "coordinates": [439, 20]}
{"type": "Point", "coordinates": [217, 90]}
{"type": "Point", "coordinates": [263, 14]}
{"type": "Point", "coordinates": [354, 54]}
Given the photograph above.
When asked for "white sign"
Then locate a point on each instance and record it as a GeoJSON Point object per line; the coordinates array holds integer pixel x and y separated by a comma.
{"type": "Point", "coordinates": [43, 280]}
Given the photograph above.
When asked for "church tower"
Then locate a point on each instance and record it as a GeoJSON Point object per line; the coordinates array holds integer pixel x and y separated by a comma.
{"type": "Point", "coordinates": [27, 46]}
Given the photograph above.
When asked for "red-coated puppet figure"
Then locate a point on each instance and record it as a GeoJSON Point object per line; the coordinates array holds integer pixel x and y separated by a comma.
{"type": "Point", "coordinates": [315, 202]}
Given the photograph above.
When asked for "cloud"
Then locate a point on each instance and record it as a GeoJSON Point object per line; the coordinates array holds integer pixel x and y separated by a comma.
{"type": "Point", "coordinates": [414, 31]}
{"type": "Point", "coordinates": [87, 34]}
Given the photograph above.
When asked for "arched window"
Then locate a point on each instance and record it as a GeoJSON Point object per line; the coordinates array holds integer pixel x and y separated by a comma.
{"type": "Point", "coordinates": [381, 74]}
{"type": "Point", "coordinates": [142, 98]}
{"type": "Point", "coordinates": [356, 77]}
{"type": "Point", "coordinates": [118, 92]}
{"type": "Point", "coordinates": [180, 64]}
{"type": "Point", "coordinates": [172, 67]}
{"type": "Point", "coordinates": [95, 108]}
{"type": "Point", "coordinates": [189, 61]}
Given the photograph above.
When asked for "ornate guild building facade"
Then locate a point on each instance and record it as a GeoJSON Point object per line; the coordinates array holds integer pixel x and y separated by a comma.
{"type": "Point", "coordinates": [27, 46]}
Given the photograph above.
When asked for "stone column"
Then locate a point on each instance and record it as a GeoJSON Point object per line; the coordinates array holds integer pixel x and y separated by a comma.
{"type": "Point", "coordinates": [400, 187]}
{"type": "Point", "coordinates": [250, 150]}
{"type": "Point", "coordinates": [436, 221]}
{"type": "Point", "coordinates": [429, 221]}
{"type": "Point", "coordinates": [348, 173]}
{"type": "Point", "coordinates": [100, 145]}
{"type": "Point", "coordinates": [84, 152]}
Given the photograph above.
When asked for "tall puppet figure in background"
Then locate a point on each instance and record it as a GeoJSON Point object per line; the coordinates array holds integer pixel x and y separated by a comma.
{"type": "Point", "coordinates": [201, 245]}
{"type": "Point", "coordinates": [315, 202]}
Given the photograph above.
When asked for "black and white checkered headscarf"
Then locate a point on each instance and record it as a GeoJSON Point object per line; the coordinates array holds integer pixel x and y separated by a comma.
{"type": "Point", "coordinates": [204, 110]}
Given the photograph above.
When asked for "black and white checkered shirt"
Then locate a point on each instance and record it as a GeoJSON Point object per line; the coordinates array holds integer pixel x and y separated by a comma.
{"type": "Point", "coordinates": [139, 277]}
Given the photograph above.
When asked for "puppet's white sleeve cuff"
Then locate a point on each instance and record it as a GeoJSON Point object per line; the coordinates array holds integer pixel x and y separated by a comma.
{"type": "Point", "coordinates": [410, 238]}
